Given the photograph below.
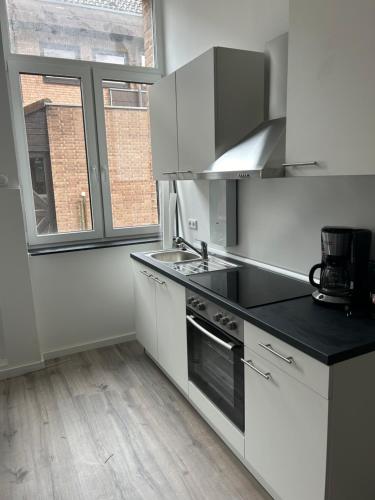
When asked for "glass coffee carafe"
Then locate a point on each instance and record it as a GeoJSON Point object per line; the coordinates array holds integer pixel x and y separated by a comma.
{"type": "Point", "coordinates": [335, 279]}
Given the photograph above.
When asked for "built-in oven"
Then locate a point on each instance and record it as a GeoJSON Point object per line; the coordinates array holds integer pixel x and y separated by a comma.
{"type": "Point", "coordinates": [215, 349]}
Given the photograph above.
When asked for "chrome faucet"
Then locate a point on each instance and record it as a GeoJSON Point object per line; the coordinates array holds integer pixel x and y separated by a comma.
{"type": "Point", "coordinates": [204, 251]}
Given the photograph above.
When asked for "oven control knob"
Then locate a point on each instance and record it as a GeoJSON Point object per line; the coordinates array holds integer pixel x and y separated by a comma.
{"type": "Point", "coordinates": [232, 325]}
{"type": "Point", "coordinates": [224, 320]}
{"type": "Point", "coordinates": [201, 306]}
{"type": "Point", "coordinates": [218, 316]}
{"type": "Point", "coordinates": [195, 302]}
{"type": "Point", "coordinates": [190, 300]}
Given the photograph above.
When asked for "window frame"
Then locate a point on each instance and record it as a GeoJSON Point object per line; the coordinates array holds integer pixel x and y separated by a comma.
{"type": "Point", "coordinates": [15, 69]}
{"type": "Point", "coordinates": [100, 74]}
{"type": "Point", "coordinates": [91, 74]}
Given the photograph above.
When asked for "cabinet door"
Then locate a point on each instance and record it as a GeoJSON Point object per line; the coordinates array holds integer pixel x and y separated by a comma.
{"type": "Point", "coordinates": [195, 84]}
{"type": "Point", "coordinates": [285, 432]}
{"type": "Point", "coordinates": [163, 122]}
{"type": "Point", "coordinates": [171, 330]}
{"type": "Point", "coordinates": [145, 314]}
{"type": "Point", "coordinates": [331, 71]}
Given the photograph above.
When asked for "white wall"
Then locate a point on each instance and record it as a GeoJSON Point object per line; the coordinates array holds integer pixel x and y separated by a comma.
{"type": "Point", "coordinates": [279, 219]}
{"type": "Point", "coordinates": [83, 297]}
{"type": "Point", "coordinates": [192, 27]}
{"type": "Point", "coordinates": [19, 342]}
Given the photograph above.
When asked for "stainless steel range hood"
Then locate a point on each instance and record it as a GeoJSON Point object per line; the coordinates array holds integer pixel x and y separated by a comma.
{"type": "Point", "coordinates": [260, 154]}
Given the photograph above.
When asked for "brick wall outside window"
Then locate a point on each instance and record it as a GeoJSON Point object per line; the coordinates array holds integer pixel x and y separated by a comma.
{"type": "Point", "coordinates": [133, 190]}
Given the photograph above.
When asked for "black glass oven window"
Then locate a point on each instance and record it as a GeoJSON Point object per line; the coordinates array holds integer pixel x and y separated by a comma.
{"type": "Point", "coordinates": [217, 371]}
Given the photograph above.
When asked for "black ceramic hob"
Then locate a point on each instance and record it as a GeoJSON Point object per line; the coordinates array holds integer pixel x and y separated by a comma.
{"type": "Point", "coordinates": [252, 286]}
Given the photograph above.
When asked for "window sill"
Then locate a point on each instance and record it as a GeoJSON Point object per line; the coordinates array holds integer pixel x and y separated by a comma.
{"type": "Point", "coordinates": [34, 252]}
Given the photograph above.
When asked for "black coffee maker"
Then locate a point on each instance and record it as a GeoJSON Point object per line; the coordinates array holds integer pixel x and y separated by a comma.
{"type": "Point", "coordinates": [344, 267]}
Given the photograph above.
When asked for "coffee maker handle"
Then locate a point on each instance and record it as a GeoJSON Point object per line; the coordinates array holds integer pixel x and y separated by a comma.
{"type": "Point", "coordinates": [311, 275]}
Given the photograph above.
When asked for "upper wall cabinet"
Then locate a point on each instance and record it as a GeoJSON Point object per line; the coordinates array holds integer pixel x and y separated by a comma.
{"type": "Point", "coordinates": [331, 93]}
{"type": "Point", "coordinates": [163, 122]}
{"type": "Point", "coordinates": [204, 108]}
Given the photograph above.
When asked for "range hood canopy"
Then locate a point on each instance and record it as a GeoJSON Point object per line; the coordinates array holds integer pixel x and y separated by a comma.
{"type": "Point", "coordinates": [260, 154]}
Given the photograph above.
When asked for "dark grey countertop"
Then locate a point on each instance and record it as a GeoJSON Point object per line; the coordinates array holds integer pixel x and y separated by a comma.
{"type": "Point", "coordinates": [323, 333]}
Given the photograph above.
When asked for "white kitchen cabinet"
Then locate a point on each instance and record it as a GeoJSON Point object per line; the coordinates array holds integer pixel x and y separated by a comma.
{"type": "Point", "coordinates": [286, 432]}
{"type": "Point", "coordinates": [171, 330]}
{"type": "Point", "coordinates": [163, 123]}
{"type": "Point", "coordinates": [212, 103]}
{"type": "Point", "coordinates": [161, 322]}
{"type": "Point", "coordinates": [330, 100]}
{"type": "Point", "coordinates": [145, 317]}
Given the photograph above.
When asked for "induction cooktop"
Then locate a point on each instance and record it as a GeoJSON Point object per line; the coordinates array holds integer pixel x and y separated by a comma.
{"type": "Point", "coordinates": [252, 286]}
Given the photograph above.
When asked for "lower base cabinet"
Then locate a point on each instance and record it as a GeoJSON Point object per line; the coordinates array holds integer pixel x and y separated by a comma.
{"type": "Point", "coordinates": [145, 317]}
{"type": "Point", "coordinates": [161, 322]}
{"type": "Point", "coordinates": [286, 432]}
{"type": "Point", "coordinates": [309, 427]}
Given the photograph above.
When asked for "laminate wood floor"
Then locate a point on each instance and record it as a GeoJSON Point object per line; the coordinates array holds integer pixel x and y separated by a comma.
{"type": "Point", "coordinates": [107, 424]}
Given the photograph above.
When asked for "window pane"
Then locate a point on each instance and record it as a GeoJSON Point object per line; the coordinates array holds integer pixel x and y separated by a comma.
{"type": "Point", "coordinates": [57, 153]}
{"type": "Point", "coordinates": [133, 189]}
{"type": "Point", "coordinates": [113, 31]}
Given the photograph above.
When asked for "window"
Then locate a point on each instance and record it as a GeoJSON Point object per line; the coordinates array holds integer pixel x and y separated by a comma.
{"type": "Point", "coordinates": [129, 158]}
{"type": "Point", "coordinates": [111, 57]}
{"type": "Point", "coordinates": [82, 128]}
{"type": "Point", "coordinates": [56, 143]}
{"type": "Point", "coordinates": [103, 30]}
{"type": "Point", "coordinates": [55, 50]}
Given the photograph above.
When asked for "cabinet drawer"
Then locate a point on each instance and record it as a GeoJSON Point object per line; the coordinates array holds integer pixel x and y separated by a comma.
{"type": "Point", "coordinates": [286, 426]}
{"type": "Point", "coordinates": [299, 365]}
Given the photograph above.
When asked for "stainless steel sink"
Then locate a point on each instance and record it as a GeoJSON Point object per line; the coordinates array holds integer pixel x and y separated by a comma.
{"type": "Point", "coordinates": [174, 256]}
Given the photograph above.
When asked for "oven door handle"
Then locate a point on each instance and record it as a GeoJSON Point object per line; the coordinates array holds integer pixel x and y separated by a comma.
{"type": "Point", "coordinates": [227, 345]}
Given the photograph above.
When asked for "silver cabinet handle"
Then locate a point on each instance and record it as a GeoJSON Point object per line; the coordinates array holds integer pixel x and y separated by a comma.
{"type": "Point", "coordinates": [227, 345]}
{"type": "Point", "coordinates": [250, 364]}
{"type": "Point", "coordinates": [178, 172]}
{"type": "Point", "coordinates": [300, 164]}
{"type": "Point", "coordinates": [268, 347]}
{"type": "Point", "coordinates": [158, 281]}
{"type": "Point", "coordinates": [145, 273]}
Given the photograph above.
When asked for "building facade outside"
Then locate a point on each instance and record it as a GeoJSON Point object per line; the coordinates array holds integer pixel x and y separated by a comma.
{"type": "Point", "coordinates": [54, 113]}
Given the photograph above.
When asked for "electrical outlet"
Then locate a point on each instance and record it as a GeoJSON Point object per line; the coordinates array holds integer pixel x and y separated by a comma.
{"type": "Point", "coordinates": [193, 224]}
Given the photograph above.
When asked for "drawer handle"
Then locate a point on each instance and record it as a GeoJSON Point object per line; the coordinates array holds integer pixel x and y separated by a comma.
{"type": "Point", "coordinates": [145, 273]}
{"type": "Point", "coordinates": [250, 364]}
{"type": "Point", "coordinates": [158, 281]}
{"type": "Point", "coordinates": [268, 347]}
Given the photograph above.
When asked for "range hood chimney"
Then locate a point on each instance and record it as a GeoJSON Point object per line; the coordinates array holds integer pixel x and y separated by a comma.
{"type": "Point", "coordinates": [262, 152]}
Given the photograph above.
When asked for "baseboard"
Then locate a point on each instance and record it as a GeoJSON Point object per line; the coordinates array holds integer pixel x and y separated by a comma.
{"type": "Point", "coordinates": [118, 339]}
{"type": "Point", "coordinates": [16, 371]}
{"type": "Point", "coordinates": [3, 363]}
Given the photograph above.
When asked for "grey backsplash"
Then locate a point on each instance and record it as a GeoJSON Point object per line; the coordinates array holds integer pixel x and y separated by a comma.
{"type": "Point", "coordinates": [279, 220]}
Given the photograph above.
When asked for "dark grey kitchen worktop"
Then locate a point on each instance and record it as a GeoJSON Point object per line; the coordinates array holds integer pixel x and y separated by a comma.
{"type": "Point", "coordinates": [324, 334]}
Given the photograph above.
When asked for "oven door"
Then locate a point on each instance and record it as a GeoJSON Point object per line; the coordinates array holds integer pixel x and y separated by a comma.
{"type": "Point", "coordinates": [215, 367]}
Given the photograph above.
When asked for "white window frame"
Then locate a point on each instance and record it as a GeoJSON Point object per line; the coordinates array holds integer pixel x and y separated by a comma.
{"type": "Point", "coordinates": [100, 74]}
{"type": "Point", "coordinates": [91, 74]}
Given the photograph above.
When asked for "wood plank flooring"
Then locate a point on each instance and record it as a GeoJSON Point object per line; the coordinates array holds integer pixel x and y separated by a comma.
{"type": "Point", "coordinates": [107, 424]}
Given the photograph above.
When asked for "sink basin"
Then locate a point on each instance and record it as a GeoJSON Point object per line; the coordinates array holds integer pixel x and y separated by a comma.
{"type": "Point", "coordinates": [175, 256]}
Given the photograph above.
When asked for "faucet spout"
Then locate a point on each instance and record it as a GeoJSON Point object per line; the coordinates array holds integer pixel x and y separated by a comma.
{"type": "Point", "coordinates": [203, 252]}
